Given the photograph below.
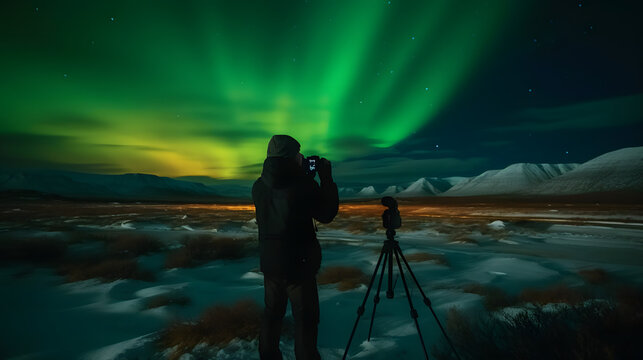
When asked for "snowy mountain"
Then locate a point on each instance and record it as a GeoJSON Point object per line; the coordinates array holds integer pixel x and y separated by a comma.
{"type": "Point", "coordinates": [346, 192]}
{"type": "Point", "coordinates": [224, 187]}
{"type": "Point", "coordinates": [620, 170]}
{"type": "Point", "coordinates": [421, 187]}
{"type": "Point", "coordinates": [112, 187]}
{"type": "Point", "coordinates": [368, 191]}
{"type": "Point", "coordinates": [455, 180]}
{"type": "Point", "coordinates": [514, 179]}
{"type": "Point", "coordinates": [392, 190]}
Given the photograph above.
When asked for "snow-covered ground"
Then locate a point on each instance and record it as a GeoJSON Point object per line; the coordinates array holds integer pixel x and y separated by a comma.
{"type": "Point", "coordinates": [46, 318]}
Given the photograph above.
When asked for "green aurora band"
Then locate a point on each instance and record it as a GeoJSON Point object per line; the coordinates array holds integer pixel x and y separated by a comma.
{"type": "Point", "coordinates": [197, 88]}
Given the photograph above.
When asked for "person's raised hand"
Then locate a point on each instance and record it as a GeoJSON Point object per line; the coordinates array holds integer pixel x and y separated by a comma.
{"type": "Point", "coordinates": [325, 170]}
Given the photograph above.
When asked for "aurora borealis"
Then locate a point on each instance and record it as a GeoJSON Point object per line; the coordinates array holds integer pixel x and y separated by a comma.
{"type": "Point", "coordinates": [178, 88]}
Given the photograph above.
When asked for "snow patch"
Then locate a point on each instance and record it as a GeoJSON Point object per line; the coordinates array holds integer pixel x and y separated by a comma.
{"type": "Point", "coordinates": [496, 225]}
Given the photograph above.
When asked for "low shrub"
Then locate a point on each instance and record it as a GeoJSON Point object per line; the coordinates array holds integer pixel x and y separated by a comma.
{"type": "Point", "coordinates": [218, 325]}
{"type": "Point", "coordinates": [494, 297]}
{"type": "Point", "coordinates": [106, 270]}
{"type": "Point", "coordinates": [203, 248]}
{"type": "Point", "coordinates": [37, 250]}
{"type": "Point", "coordinates": [462, 237]}
{"type": "Point", "coordinates": [346, 277]}
{"type": "Point", "coordinates": [559, 293]}
{"type": "Point", "coordinates": [166, 300]}
{"type": "Point", "coordinates": [424, 256]}
{"type": "Point", "coordinates": [594, 330]}
{"type": "Point", "coordinates": [594, 276]}
{"type": "Point", "coordinates": [133, 244]}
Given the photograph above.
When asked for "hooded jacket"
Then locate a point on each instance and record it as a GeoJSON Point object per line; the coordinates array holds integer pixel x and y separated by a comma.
{"type": "Point", "coordinates": [286, 200]}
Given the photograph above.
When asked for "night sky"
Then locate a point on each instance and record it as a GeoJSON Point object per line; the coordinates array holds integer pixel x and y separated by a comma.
{"type": "Point", "coordinates": [389, 91]}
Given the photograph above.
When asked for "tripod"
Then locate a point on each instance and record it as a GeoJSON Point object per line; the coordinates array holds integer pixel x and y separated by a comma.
{"type": "Point", "coordinates": [391, 248]}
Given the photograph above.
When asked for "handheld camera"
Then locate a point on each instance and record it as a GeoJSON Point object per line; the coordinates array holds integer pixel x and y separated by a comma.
{"type": "Point", "coordinates": [311, 165]}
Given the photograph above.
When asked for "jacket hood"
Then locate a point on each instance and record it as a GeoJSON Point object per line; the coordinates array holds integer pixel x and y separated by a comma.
{"type": "Point", "coordinates": [279, 172]}
{"type": "Point", "coordinates": [283, 146]}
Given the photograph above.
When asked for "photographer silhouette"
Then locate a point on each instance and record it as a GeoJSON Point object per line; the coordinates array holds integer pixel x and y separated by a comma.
{"type": "Point", "coordinates": [287, 199]}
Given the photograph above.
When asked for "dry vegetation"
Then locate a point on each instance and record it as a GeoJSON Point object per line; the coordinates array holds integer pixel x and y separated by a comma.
{"type": "Point", "coordinates": [494, 297]}
{"type": "Point", "coordinates": [592, 330]}
{"type": "Point", "coordinates": [217, 326]}
{"type": "Point", "coordinates": [37, 250]}
{"type": "Point", "coordinates": [203, 248]}
{"type": "Point", "coordinates": [167, 299]}
{"type": "Point", "coordinates": [595, 276]}
{"type": "Point", "coordinates": [104, 269]}
{"type": "Point", "coordinates": [425, 256]}
{"type": "Point", "coordinates": [462, 237]}
{"type": "Point", "coordinates": [559, 293]}
{"type": "Point", "coordinates": [133, 244]}
{"type": "Point", "coordinates": [346, 277]}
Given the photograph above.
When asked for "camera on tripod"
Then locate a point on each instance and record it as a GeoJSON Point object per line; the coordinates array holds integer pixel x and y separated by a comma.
{"type": "Point", "coordinates": [391, 218]}
{"type": "Point", "coordinates": [392, 253]}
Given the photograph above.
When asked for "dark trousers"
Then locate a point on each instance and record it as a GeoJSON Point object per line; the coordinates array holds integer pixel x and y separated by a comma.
{"type": "Point", "coordinates": [304, 303]}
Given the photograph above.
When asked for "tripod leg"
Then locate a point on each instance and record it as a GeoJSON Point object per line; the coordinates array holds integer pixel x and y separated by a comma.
{"type": "Point", "coordinates": [427, 301]}
{"type": "Point", "coordinates": [389, 292]}
{"type": "Point", "coordinates": [414, 313]}
{"type": "Point", "coordinates": [360, 310]}
{"type": "Point", "coordinates": [376, 300]}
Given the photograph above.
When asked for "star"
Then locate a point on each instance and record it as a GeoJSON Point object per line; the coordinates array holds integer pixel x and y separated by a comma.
{"type": "Point", "coordinates": [426, 89]}
{"type": "Point", "coordinates": [65, 76]}
{"type": "Point", "coordinates": [111, 19]}
{"type": "Point", "coordinates": [531, 90]}
{"type": "Point", "coordinates": [412, 37]}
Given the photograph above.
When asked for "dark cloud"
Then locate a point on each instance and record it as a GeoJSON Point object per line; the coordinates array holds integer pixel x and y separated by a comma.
{"type": "Point", "coordinates": [130, 147]}
{"type": "Point", "coordinates": [20, 150]}
{"type": "Point", "coordinates": [16, 146]}
{"type": "Point", "coordinates": [75, 121]}
{"type": "Point", "coordinates": [399, 170]}
{"type": "Point", "coordinates": [611, 112]}
{"type": "Point", "coordinates": [98, 168]}
{"type": "Point", "coordinates": [355, 145]}
{"type": "Point", "coordinates": [233, 133]}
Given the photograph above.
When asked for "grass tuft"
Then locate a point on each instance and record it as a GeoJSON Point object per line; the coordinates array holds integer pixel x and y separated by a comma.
{"type": "Point", "coordinates": [595, 276]}
{"type": "Point", "coordinates": [166, 300]}
{"type": "Point", "coordinates": [218, 325]}
{"type": "Point", "coordinates": [133, 244]}
{"type": "Point", "coordinates": [425, 256]}
{"type": "Point", "coordinates": [204, 248]}
{"type": "Point", "coordinates": [494, 298]}
{"type": "Point", "coordinates": [559, 293]}
{"type": "Point", "coordinates": [592, 330]}
{"type": "Point", "coordinates": [37, 250]}
{"type": "Point", "coordinates": [346, 277]}
{"type": "Point", "coordinates": [106, 270]}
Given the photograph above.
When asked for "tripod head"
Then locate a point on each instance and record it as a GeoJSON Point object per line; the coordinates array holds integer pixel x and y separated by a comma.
{"type": "Point", "coordinates": [391, 218]}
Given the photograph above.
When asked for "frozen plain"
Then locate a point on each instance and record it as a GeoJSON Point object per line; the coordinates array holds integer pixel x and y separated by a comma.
{"type": "Point", "coordinates": [512, 247]}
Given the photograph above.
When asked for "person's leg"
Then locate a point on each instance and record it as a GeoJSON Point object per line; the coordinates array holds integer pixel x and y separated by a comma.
{"type": "Point", "coordinates": [305, 309]}
{"type": "Point", "coordinates": [275, 298]}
